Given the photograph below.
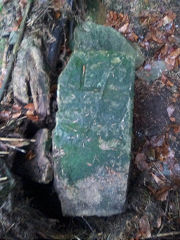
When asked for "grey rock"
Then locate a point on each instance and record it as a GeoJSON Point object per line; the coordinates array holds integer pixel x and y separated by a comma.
{"type": "Point", "coordinates": [30, 73]}
{"type": "Point", "coordinates": [92, 137]}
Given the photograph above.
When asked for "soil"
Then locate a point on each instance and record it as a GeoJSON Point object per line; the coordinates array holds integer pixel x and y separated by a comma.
{"type": "Point", "coordinates": [153, 199]}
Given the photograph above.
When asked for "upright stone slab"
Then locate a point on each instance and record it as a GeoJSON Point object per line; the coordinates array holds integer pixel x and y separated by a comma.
{"type": "Point", "coordinates": [92, 137]}
{"type": "Point", "coordinates": [93, 37]}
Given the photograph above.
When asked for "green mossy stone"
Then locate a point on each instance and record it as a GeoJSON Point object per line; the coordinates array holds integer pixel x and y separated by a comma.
{"type": "Point", "coordinates": [92, 137]}
{"type": "Point", "coordinates": [96, 11]}
{"type": "Point", "coordinates": [93, 37]}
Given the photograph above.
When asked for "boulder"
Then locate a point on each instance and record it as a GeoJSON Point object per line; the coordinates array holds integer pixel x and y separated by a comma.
{"type": "Point", "coordinates": [92, 137]}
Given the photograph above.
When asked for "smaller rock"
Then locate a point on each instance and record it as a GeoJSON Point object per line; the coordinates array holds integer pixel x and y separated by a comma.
{"type": "Point", "coordinates": [39, 168]}
{"type": "Point", "coordinates": [151, 71]}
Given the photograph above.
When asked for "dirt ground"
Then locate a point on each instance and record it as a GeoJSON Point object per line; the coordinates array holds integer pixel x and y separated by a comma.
{"type": "Point", "coordinates": [153, 199]}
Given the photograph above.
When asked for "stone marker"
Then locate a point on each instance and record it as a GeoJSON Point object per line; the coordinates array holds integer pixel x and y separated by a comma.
{"type": "Point", "coordinates": [92, 137]}
{"type": "Point", "coordinates": [90, 37]}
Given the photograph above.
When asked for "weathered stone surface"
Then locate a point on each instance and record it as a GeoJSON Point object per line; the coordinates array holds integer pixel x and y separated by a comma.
{"type": "Point", "coordinates": [39, 168]}
{"type": "Point", "coordinates": [151, 71]}
{"type": "Point", "coordinates": [92, 138]}
{"type": "Point", "coordinates": [90, 36]}
{"type": "Point", "coordinates": [30, 80]}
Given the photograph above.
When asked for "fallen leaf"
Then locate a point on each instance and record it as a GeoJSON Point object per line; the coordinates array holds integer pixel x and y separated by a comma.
{"type": "Point", "coordinates": [163, 51]}
{"type": "Point", "coordinates": [22, 3]}
{"type": "Point", "coordinates": [30, 113]}
{"type": "Point", "coordinates": [171, 39]}
{"type": "Point", "coordinates": [57, 14]}
{"type": "Point", "coordinates": [170, 110]}
{"type": "Point", "coordinates": [175, 53]}
{"type": "Point", "coordinates": [176, 129]}
{"type": "Point", "coordinates": [16, 108]}
{"type": "Point", "coordinates": [162, 152]}
{"type": "Point", "coordinates": [124, 28]}
{"type": "Point", "coordinates": [30, 155]}
{"type": "Point", "coordinates": [111, 14]}
{"type": "Point", "coordinates": [132, 37]}
{"type": "Point", "coordinates": [115, 16]}
{"type": "Point", "coordinates": [145, 227]}
{"type": "Point", "coordinates": [171, 59]}
{"type": "Point", "coordinates": [171, 15]}
{"type": "Point", "coordinates": [30, 106]}
{"type": "Point", "coordinates": [159, 222]}
{"type": "Point", "coordinates": [169, 83]}
{"type": "Point", "coordinates": [172, 119]}
{"type": "Point", "coordinates": [16, 115]}
{"type": "Point", "coordinates": [125, 19]}
{"type": "Point", "coordinates": [163, 79]}
{"type": "Point", "coordinates": [140, 162]}
{"type": "Point", "coordinates": [157, 180]}
{"type": "Point", "coordinates": [33, 118]}
{"type": "Point", "coordinates": [158, 37]}
{"type": "Point", "coordinates": [162, 194]}
{"type": "Point", "coordinates": [5, 115]}
{"type": "Point", "coordinates": [167, 20]}
{"type": "Point", "coordinates": [145, 44]}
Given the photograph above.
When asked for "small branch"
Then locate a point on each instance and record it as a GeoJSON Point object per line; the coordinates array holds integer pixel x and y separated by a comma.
{"type": "Point", "coordinates": [2, 179]}
{"type": "Point", "coordinates": [4, 153]}
{"type": "Point", "coordinates": [17, 148]}
{"type": "Point", "coordinates": [15, 50]}
{"type": "Point", "coordinates": [160, 235]}
{"type": "Point", "coordinates": [4, 139]}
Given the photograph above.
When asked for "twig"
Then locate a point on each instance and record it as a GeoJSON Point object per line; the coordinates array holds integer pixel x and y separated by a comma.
{"type": "Point", "coordinates": [160, 235]}
{"type": "Point", "coordinates": [87, 224]}
{"type": "Point", "coordinates": [3, 153]}
{"type": "Point", "coordinates": [16, 148]}
{"type": "Point", "coordinates": [77, 238]}
{"type": "Point", "coordinates": [4, 139]}
{"type": "Point", "coordinates": [2, 179]}
{"type": "Point", "coordinates": [165, 213]}
{"type": "Point", "coordinates": [15, 50]}
{"type": "Point", "coordinates": [178, 205]}
{"type": "Point", "coordinates": [4, 61]}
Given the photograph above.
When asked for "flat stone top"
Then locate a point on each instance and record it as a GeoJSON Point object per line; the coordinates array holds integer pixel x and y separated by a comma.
{"type": "Point", "coordinates": [93, 37]}
{"type": "Point", "coordinates": [92, 138]}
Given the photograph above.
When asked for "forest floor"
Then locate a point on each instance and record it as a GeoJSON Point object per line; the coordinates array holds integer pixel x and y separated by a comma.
{"type": "Point", "coordinates": [153, 198]}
